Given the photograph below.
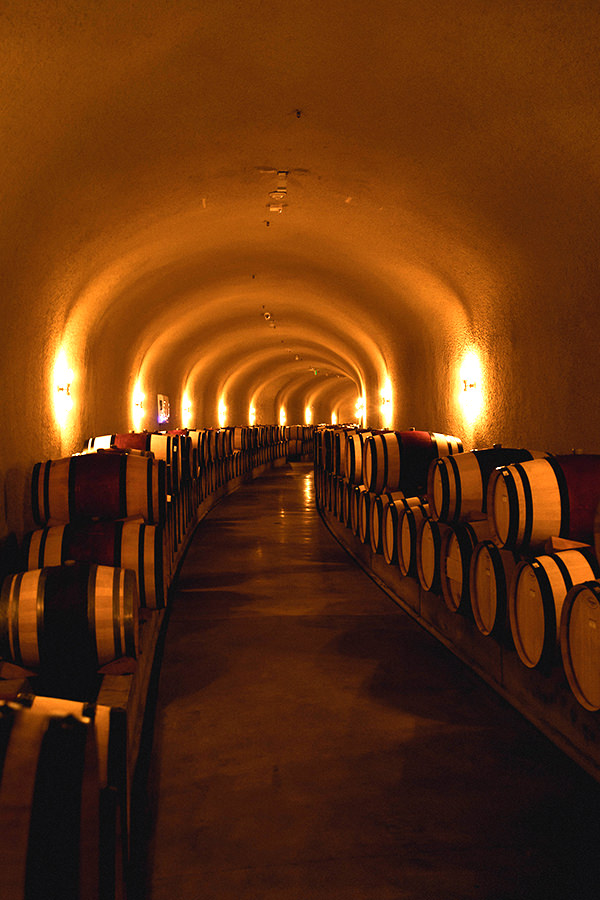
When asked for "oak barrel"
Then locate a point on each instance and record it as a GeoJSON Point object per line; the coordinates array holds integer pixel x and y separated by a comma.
{"type": "Point", "coordinates": [490, 576]}
{"type": "Point", "coordinates": [409, 521]}
{"type": "Point", "coordinates": [430, 536]}
{"type": "Point", "coordinates": [418, 449]}
{"type": "Point", "coordinates": [457, 484]}
{"type": "Point", "coordinates": [536, 596]}
{"type": "Point", "coordinates": [98, 485]}
{"type": "Point", "coordinates": [55, 840]}
{"type": "Point", "coordinates": [355, 443]}
{"type": "Point", "coordinates": [579, 638]}
{"type": "Point", "coordinates": [74, 618]}
{"type": "Point", "coordinates": [531, 501]}
{"type": "Point", "coordinates": [456, 551]}
{"type": "Point", "coordinates": [126, 544]}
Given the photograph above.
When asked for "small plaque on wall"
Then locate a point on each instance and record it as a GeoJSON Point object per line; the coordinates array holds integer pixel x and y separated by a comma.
{"type": "Point", "coordinates": [164, 408]}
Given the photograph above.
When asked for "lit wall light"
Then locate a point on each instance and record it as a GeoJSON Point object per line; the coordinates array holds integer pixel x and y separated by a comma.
{"type": "Point", "coordinates": [308, 416]}
{"type": "Point", "coordinates": [137, 407]}
{"type": "Point", "coordinates": [334, 418]}
{"type": "Point", "coordinates": [387, 407]}
{"type": "Point", "coordinates": [361, 410]}
{"type": "Point", "coordinates": [282, 416]}
{"type": "Point", "coordinates": [186, 411]}
{"type": "Point", "coordinates": [63, 380]}
{"type": "Point", "coordinates": [252, 415]}
{"type": "Point", "coordinates": [470, 390]}
{"type": "Point", "coordinates": [222, 413]}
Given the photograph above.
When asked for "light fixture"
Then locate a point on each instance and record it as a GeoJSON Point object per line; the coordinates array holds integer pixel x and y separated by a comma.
{"type": "Point", "coordinates": [282, 416]}
{"type": "Point", "coordinates": [470, 394]}
{"type": "Point", "coordinates": [386, 408]}
{"type": "Point", "coordinates": [63, 379]}
{"type": "Point", "coordinates": [186, 411]}
{"type": "Point", "coordinates": [308, 416]}
{"type": "Point", "coordinates": [137, 407]}
{"type": "Point", "coordinates": [334, 418]}
{"type": "Point", "coordinates": [222, 413]}
{"type": "Point", "coordinates": [252, 415]}
{"type": "Point", "coordinates": [360, 409]}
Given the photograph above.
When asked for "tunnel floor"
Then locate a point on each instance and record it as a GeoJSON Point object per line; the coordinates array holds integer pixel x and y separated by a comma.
{"type": "Point", "coordinates": [312, 741]}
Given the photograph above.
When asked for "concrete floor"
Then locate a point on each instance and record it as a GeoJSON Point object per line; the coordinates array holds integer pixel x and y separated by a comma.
{"type": "Point", "coordinates": [311, 741]}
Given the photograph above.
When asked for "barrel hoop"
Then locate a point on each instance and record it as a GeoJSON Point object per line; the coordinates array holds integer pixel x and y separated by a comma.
{"type": "Point", "coordinates": [117, 614]}
{"type": "Point", "coordinates": [550, 622]}
{"type": "Point", "coordinates": [458, 486]}
{"type": "Point", "coordinates": [42, 549]}
{"type": "Point", "coordinates": [511, 490]}
{"type": "Point", "coordinates": [117, 543]}
{"type": "Point", "coordinates": [53, 848]}
{"type": "Point", "coordinates": [5, 618]}
{"type": "Point", "coordinates": [149, 490]}
{"type": "Point", "coordinates": [35, 497]}
{"type": "Point", "coordinates": [71, 491]}
{"type": "Point", "coordinates": [385, 461]}
{"type": "Point", "coordinates": [123, 486]}
{"type": "Point", "coordinates": [564, 571]}
{"type": "Point", "coordinates": [528, 498]}
{"type": "Point", "coordinates": [565, 505]}
{"type": "Point", "coordinates": [91, 614]}
{"type": "Point", "coordinates": [141, 567]}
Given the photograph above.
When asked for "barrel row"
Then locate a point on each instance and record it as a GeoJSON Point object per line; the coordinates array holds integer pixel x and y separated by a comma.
{"type": "Point", "coordinates": [509, 538]}
{"type": "Point", "coordinates": [114, 526]}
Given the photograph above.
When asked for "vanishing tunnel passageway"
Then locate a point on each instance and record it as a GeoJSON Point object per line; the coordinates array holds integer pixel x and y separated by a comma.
{"type": "Point", "coordinates": [312, 741]}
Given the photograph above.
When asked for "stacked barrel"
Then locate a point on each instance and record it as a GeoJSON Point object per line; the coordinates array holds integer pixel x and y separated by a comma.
{"type": "Point", "coordinates": [85, 606]}
{"type": "Point", "coordinates": [505, 537]}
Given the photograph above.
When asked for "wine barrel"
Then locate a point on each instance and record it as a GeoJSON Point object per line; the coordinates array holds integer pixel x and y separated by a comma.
{"type": "Point", "coordinates": [409, 521]}
{"type": "Point", "coordinates": [381, 465]}
{"type": "Point", "coordinates": [365, 501]}
{"type": "Point", "coordinates": [98, 485]}
{"type": "Point", "coordinates": [359, 489]}
{"type": "Point", "coordinates": [132, 440]}
{"type": "Point", "coordinates": [531, 501]}
{"type": "Point", "coordinates": [55, 841]}
{"type": "Point", "coordinates": [379, 510]}
{"type": "Point", "coordinates": [418, 449]}
{"type": "Point", "coordinates": [397, 502]}
{"type": "Point", "coordinates": [69, 619]}
{"type": "Point", "coordinates": [456, 551]}
{"type": "Point", "coordinates": [355, 442]}
{"type": "Point", "coordinates": [457, 484]}
{"type": "Point", "coordinates": [579, 638]}
{"type": "Point", "coordinates": [127, 545]}
{"type": "Point", "coordinates": [490, 576]}
{"type": "Point", "coordinates": [429, 553]}
{"type": "Point", "coordinates": [536, 598]}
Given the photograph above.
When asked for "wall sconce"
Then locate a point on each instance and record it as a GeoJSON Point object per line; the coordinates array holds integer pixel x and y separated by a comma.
{"type": "Point", "coordinates": [470, 394]}
{"type": "Point", "coordinates": [137, 407]}
{"type": "Point", "coordinates": [361, 410]}
{"type": "Point", "coordinates": [186, 411]}
{"type": "Point", "coordinates": [386, 408]}
{"type": "Point", "coordinates": [308, 416]}
{"type": "Point", "coordinates": [334, 418]}
{"type": "Point", "coordinates": [63, 379]}
{"type": "Point", "coordinates": [282, 416]}
{"type": "Point", "coordinates": [222, 413]}
{"type": "Point", "coordinates": [252, 416]}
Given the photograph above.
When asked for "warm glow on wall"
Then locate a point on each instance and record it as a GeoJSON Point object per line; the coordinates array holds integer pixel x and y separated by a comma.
{"type": "Point", "coordinates": [387, 407]}
{"type": "Point", "coordinates": [334, 418]}
{"type": "Point", "coordinates": [282, 416]}
{"type": "Point", "coordinates": [186, 411]}
{"type": "Point", "coordinates": [470, 388]}
{"type": "Point", "coordinates": [361, 410]}
{"type": "Point", "coordinates": [63, 380]}
{"type": "Point", "coordinates": [222, 413]}
{"type": "Point", "coordinates": [308, 416]}
{"type": "Point", "coordinates": [252, 415]}
{"type": "Point", "coordinates": [137, 407]}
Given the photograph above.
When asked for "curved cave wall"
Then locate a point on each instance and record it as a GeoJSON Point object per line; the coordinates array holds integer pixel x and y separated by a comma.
{"type": "Point", "coordinates": [393, 189]}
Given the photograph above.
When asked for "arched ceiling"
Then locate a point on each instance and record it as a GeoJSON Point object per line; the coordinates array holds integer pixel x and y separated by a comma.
{"type": "Point", "coordinates": [382, 179]}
